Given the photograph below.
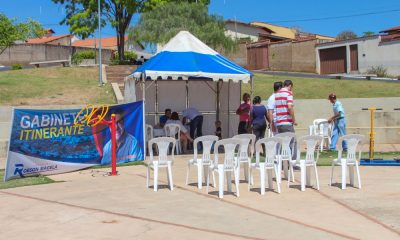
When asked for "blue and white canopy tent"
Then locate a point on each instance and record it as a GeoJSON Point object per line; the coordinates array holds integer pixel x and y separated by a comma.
{"type": "Point", "coordinates": [188, 73]}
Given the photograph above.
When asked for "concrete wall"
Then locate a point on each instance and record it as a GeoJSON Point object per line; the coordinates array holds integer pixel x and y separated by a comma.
{"type": "Point", "coordinates": [371, 53]}
{"type": "Point", "coordinates": [239, 57]}
{"type": "Point", "coordinates": [293, 56]}
{"type": "Point", "coordinates": [25, 53]}
{"type": "Point", "coordinates": [387, 122]}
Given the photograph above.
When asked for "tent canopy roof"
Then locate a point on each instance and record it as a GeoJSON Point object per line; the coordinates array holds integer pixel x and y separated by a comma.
{"type": "Point", "coordinates": [186, 57]}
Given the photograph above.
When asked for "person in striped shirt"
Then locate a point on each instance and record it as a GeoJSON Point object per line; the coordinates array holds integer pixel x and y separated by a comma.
{"type": "Point", "coordinates": [284, 108]}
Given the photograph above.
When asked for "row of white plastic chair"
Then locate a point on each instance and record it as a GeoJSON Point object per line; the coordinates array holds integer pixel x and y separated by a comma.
{"type": "Point", "coordinates": [321, 127]}
{"type": "Point", "coordinates": [277, 151]}
{"type": "Point", "coordinates": [171, 130]}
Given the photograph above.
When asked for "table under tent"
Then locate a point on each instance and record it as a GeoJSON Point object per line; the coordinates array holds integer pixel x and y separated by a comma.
{"type": "Point", "coordinates": [188, 73]}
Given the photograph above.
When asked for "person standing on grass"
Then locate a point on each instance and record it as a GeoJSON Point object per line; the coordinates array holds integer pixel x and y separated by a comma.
{"type": "Point", "coordinates": [284, 108]}
{"type": "Point", "coordinates": [339, 122]}
{"type": "Point", "coordinates": [244, 114]}
{"type": "Point", "coordinates": [271, 108]}
{"type": "Point", "coordinates": [258, 116]}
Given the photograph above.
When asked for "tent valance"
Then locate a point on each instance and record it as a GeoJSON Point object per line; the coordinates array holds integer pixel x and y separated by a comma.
{"type": "Point", "coordinates": [185, 57]}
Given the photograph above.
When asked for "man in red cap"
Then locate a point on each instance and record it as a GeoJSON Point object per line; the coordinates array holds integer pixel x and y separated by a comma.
{"type": "Point", "coordinates": [338, 120]}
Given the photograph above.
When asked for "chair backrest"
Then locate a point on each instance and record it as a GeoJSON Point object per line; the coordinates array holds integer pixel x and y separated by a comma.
{"type": "Point", "coordinates": [207, 142]}
{"type": "Point", "coordinates": [270, 145]}
{"type": "Point", "coordinates": [172, 130]}
{"type": "Point", "coordinates": [316, 122]}
{"type": "Point", "coordinates": [310, 143]}
{"type": "Point", "coordinates": [250, 145]}
{"type": "Point", "coordinates": [163, 144]}
{"type": "Point", "coordinates": [354, 143]}
{"type": "Point", "coordinates": [323, 129]}
{"type": "Point", "coordinates": [285, 148]}
{"type": "Point", "coordinates": [230, 145]}
{"type": "Point", "coordinates": [149, 132]}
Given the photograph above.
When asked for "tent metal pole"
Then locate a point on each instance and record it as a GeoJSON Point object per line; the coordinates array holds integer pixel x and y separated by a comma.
{"type": "Point", "coordinates": [252, 88]}
{"type": "Point", "coordinates": [156, 104]}
{"type": "Point", "coordinates": [218, 102]}
{"type": "Point", "coordinates": [144, 113]}
{"type": "Point", "coordinates": [229, 109]}
{"type": "Point", "coordinates": [187, 94]}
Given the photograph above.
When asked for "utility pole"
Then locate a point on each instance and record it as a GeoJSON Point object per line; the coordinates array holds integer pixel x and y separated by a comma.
{"type": "Point", "coordinates": [100, 64]}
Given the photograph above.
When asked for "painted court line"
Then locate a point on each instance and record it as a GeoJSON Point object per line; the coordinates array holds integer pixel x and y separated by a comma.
{"type": "Point", "coordinates": [132, 216]}
{"type": "Point", "coordinates": [261, 212]}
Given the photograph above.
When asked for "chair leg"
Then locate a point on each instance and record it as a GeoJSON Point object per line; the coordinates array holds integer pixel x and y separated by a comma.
{"type": "Point", "coordinates": [199, 175]}
{"type": "Point", "coordinates": [229, 180]}
{"type": "Point", "coordinates": [277, 182]}
{"type": "Point", "coordinates": [221, 181]}
{"type": "Point", "coordinates": [269, 173]}
{"type": "Point", "coordinates": [213, 176]}
{"type": "Point", "coordinates": [358, 175]}
{"type": "Point", "coordinates": [344, 173]}
{"type": "Point", "coordinates": [188, 173]}
{"type": "Point", "coordinates": [155, 176]}
{"type": "Point", "coordinates": [316, 175]}
{"type": "Point", "coordinates": [303, 175]}
{"type": "Point", "coordinates": [250, 177]}
{"type": "Point", "coordinates": [171, 183]}
{"type": "Point", "coordinates": [237, 180]}
{"type": "Point", "coordinates": [333, 166]}
{"type": "Point", "coordinates": [148, 176]}
{"type": "Point", "coordinates": [290, 175]}
{"type": "Point", "coordinates": [208, 180]}
{"type": "Point", "coordinates": [262, 178]}
{"type": "Point", "coordinates": [291, 170]}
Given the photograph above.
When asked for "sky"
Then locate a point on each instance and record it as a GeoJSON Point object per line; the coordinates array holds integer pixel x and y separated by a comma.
{"type": "Point", "coordinates": [321, 17]}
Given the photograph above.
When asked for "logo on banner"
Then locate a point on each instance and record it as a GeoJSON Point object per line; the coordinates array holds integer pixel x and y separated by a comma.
{"type": "Point", "coordinates": [21, 171]}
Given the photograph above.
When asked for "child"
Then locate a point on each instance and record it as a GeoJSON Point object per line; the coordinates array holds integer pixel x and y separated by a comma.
{"type": "Point", "coordinates": [218, 130]}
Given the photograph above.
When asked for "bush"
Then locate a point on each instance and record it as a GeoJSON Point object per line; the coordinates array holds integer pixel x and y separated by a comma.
{"type": "Point", "coordinates": [130, 58]}
{"type": "Point", "coordinates": [78, 57]}
{"type": "Point", "coordinates": [16, 66]}
{"type": "Point", "coordinates": [379, 71]}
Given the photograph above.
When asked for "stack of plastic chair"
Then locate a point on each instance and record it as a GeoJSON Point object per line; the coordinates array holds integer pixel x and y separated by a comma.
{"type": "Point", "coordinates": [202, 161]}
{"type": "Point", "coordinates": [310, 160]}
{"type": "Point", "coordinates": [162, 161]}
{"type": "Point", "coordinates": [270, 164]}
{"type": "Point", "coordinates": [246, 151]}
{"type": "Point", "coordinates": [285, 152]}
{"type": "Point", "coordinates": [350, 160]}
{"type": "Point", "coordinates": [227, 165]}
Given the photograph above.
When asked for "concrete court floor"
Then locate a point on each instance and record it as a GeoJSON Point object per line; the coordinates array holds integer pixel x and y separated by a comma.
{"type": "Point", "coordinates": [90, 205]}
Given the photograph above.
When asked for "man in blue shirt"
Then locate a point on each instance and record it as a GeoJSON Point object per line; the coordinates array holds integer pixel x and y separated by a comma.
{"type": "Point", "coordinates": [339, 121]}
{"type": "Point", "coordinates": [164, 118]}
{"type": "Point", "coordinates": [128, 148]}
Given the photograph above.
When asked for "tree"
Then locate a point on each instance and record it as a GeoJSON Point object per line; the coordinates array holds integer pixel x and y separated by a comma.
{"type": "Point", "coordinates": [12, 31]}
{"type": "Point", "coordinates": [81, 16]}
{"type": "Point", "coordinates": [166, 19]}
{"type": "Point", "coordinates": [346, 35]}
{"type": "Point", "coordinates": [368, 33]}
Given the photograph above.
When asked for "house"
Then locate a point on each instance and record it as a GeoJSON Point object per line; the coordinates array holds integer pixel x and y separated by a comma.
{"type": "Point", "coordinates": [64, 40]}
{"type": "Point", "coordinates": [360, 55]}
{"type": "Point", "coordinates": [245, 31]}
{"type": "Point", "coordinates": [109, 43]}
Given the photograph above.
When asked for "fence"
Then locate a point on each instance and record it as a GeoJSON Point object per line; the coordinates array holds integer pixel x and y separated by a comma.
{"type": "Point", "coordinates": [25, 53]}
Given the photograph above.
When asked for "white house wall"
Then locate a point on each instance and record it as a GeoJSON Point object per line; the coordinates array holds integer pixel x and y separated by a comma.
{"type": "Point", "coordinates": [240, 31]}
{"type": "Point", "coordinates": [371, 53]}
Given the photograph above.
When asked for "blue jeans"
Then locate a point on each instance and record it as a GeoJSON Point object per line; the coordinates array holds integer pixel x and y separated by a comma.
{"type": "Point", "coordinates": [339, 130]}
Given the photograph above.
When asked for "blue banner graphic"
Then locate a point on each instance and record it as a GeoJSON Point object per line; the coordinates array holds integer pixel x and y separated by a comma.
{"type": "Point", "coordinates": [48, 142]}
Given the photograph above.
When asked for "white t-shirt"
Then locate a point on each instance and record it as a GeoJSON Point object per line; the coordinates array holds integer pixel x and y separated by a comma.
{"type": "Point", "coordinates": [271, 105]}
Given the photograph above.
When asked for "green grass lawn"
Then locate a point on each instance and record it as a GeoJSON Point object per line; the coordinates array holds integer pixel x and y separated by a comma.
{"type": "Point", "coordinates": [20, 182]}
{"type": "Point", "coordinates": [53, 85]}
{"type": "Point", "coordinates": [314, 88]}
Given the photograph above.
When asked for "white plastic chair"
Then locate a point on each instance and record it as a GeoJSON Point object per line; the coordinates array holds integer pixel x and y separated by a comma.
{"type": "Point", "coordinates": [314, 126]}
{"type": "Point", "coordinates": [149, 134]}
{"type": "Point", "coordinates": [204, 161]}
{"type": "Point", "coordinates": [271, 163]}
{"type": "Point", "coordinates": [354, 144]}
{"type": "Point", "coordinates": [246, 151]}
{"type": "Point", "coordinates": [323, 129]}
{"type": "Point", "coordinates": [285, 153]}
{"type": "Point", "coordinates": [310, 160]}
{"type": "Point", "coordinates": [174, 130]}
{"type": "Point", "coordinates": [228, 165]}
{"type": "Point", "coordinates": [163, 160]}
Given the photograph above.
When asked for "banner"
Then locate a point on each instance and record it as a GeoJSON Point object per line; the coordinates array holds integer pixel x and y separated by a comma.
{"type": "Point", "coordinates": [47, 141]}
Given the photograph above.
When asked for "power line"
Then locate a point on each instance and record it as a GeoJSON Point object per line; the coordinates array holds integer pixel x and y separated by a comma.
{"type": "Point", "coordinates": [336, 17]}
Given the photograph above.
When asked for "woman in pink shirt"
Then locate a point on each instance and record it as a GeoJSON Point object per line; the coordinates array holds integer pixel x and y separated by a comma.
{"type": "Point", "coordinates": [244, 114]}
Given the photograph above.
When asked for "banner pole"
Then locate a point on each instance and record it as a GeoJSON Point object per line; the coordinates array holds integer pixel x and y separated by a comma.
{"type": "Point", "coordinates": [113, 146]}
